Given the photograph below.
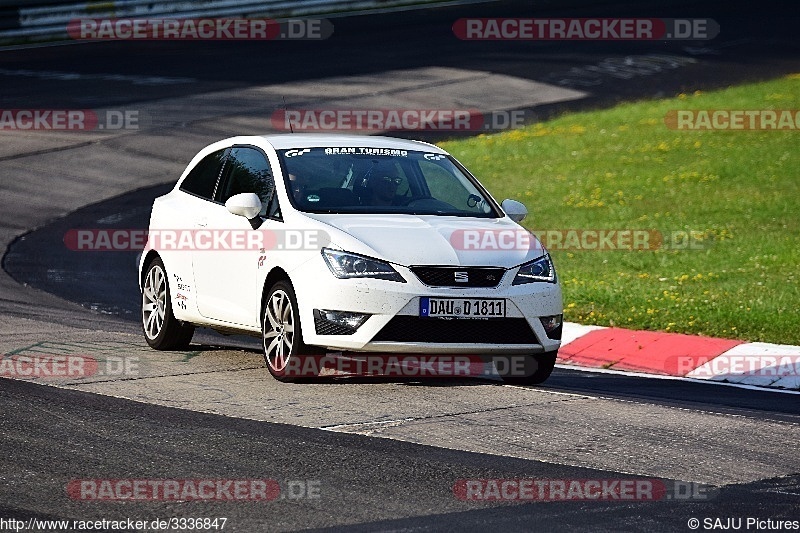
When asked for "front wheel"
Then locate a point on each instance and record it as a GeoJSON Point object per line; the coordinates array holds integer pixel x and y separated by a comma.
{"type": "Point", "coordinates": [162, 330]}
{"type": "Point", "coordinates": [525, 369]}
{"type": "Point", "coordinates": [284, 350]}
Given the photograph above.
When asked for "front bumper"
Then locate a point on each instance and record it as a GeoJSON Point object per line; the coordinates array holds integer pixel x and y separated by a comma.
{"type": "Point", "coordinates": [384, 300]}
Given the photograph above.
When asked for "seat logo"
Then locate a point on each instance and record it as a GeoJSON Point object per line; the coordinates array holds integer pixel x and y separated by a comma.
{"type": "Point", "coordinates": [461, 277]}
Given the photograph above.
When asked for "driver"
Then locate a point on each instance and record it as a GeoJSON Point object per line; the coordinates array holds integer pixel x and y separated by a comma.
{"type": "Point", "coordinates": [382, 189]}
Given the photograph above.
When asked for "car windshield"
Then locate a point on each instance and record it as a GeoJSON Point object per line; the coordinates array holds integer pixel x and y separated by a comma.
{"type": "Point", "coordinates": [382, 180]}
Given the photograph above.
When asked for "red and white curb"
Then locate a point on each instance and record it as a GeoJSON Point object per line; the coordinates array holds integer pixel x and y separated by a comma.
{"type": "Point", "coordinates": [689, 356]}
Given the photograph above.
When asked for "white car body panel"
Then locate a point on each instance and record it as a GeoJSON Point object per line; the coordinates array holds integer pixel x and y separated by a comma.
{"type": "Point", "coordinates": [425, 239]}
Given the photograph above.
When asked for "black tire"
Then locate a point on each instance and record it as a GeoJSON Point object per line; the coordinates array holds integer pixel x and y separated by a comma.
{"type": "Point", "coordinates": [525, 369]}
{"type": "Point", "coordinates": [287, 357]}
{"type": "Point", "coordinates": [161, 329]}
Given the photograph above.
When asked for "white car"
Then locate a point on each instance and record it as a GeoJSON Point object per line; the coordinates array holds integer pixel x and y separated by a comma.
{"type": "Point", "coordinates": [352, 244]}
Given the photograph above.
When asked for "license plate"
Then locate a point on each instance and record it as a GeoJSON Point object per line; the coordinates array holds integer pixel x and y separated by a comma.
{"type": "Point", "coordinates": [462, 307]}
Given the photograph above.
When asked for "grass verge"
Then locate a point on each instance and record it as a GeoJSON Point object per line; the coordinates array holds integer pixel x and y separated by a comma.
{"type": "Point", "coordinates": [726, 203]}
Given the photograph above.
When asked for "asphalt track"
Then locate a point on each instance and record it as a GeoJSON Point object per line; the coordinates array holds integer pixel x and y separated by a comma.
{"type": "Point", "coordinates": [379, 484]}
{"type": "Point", "coordinates": [84, 277]}
{"type": "Point", "coordinates": [215, 412]}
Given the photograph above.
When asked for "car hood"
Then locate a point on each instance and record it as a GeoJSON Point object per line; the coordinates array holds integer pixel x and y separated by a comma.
{"type": "Point", "coordinates": [433, 240]}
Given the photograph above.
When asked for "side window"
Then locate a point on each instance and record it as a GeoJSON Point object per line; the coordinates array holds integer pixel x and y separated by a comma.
{"type": "Point", "coordinates": [249, 171]}
{"type": "Point", "coordinates": [202, 179]}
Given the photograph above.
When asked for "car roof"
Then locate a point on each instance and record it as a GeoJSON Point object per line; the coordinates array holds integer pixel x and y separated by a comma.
{"type": "Point", "coordinates": [313, 140]}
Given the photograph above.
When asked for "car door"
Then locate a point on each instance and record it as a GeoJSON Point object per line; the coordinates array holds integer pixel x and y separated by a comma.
{"type": "Point", "coordinates": [226, 273]}
{"type": "Point", "coordinates": [185, 210]}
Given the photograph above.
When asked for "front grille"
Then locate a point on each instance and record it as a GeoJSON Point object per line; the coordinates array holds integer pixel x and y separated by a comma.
{"type": "Point", "coordinates": [446, 276]}
{"type": "Point", "coordinates": [462, 330]}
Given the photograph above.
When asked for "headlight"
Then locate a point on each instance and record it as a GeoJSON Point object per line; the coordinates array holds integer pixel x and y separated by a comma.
{"type": "Point", "coordinates": [347, 265]}
{"type": "Point", "coordinates": [541, 269]}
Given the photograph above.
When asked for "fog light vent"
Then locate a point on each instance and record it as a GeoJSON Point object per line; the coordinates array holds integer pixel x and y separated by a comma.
{"type": "Point", "coordinates": [327, 322]}
{"type": "Point", "coordinates": [552, 326]}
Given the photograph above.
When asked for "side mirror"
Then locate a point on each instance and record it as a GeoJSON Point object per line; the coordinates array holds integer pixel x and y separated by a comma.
{"type": "Point", "coordinates": [515, 210]}
{"type": "Point", "coordinates": [246, 204]}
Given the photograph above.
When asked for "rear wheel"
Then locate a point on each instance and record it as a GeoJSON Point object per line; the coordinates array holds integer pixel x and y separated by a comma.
{"type": "Point", "coordinates": [525, 369]}
{"type": "Point", "coordinates": [285, 352]}
{"type": "Point", "coordinates": [162, 330]}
